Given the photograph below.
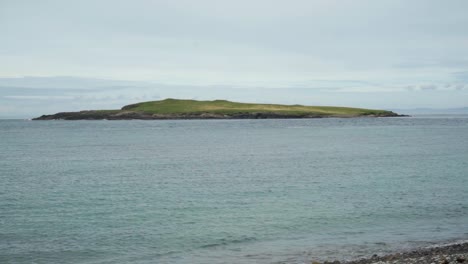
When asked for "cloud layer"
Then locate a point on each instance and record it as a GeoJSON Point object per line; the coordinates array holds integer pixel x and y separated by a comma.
{"type": "Point", "coordinates": [195, 47]}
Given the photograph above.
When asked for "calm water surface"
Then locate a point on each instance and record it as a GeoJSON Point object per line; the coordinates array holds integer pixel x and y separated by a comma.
{"type": "Point", "coordinates": [239, 191]}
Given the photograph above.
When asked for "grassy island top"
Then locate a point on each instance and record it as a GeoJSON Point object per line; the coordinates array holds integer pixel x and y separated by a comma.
{"type": "Point", "coordinates": [177, 106]}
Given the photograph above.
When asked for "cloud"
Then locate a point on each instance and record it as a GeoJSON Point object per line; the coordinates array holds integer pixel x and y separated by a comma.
{"type": "Point", "coordinates": [460, 87]}
{"type": "Point", "coordinates": [38, 97]}
{"type": "Point", "coordinates": [67, 83]}
{"type": "Point", "coordinates": [447, 87]}
{"type": "Point", "coordinates": [410, 88]}
{"type": "Point", "coordinates": [461, 76]}
{"type": "Point", "coordinates": [428, 87]}
{"type": "Point", "coordinates": [236, 43]}
{"type": "Point", "coordinates": [112, 53]}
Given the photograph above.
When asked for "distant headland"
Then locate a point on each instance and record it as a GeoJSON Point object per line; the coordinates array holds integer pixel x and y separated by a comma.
{"type": "Point", "coordinates": [217, 109]}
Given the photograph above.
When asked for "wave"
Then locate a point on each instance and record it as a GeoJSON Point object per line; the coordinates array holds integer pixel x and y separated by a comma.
{"type": "Point", "coordinates": [224, 242]}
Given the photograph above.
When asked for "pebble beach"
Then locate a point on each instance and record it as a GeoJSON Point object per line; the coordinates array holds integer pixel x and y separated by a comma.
{"type": "Point", "coordinates": [447, 254]}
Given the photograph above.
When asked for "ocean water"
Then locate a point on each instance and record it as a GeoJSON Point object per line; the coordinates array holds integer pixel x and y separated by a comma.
{"type": "Point", "coordinates": [230, 191]}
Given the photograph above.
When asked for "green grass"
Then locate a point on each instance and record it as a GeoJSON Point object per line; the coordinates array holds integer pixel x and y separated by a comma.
{"type": "Point", "coordinates": [105, 111]}
{"type": "Point", "coordinates": [176, 106]}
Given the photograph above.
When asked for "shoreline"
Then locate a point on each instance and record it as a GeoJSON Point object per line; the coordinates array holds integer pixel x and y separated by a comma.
{"type": "Point", "coordinates": [90, 115]}
{"type": "Point", "coordinates": [452, 253]}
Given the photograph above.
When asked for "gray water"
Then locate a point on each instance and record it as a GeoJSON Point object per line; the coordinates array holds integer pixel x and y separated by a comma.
{"type": "Point", "coordinates": [229, 191]}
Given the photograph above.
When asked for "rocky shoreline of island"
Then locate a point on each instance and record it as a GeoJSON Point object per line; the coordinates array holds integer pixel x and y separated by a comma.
{"type": "Point", "coordinates": [130, 115]}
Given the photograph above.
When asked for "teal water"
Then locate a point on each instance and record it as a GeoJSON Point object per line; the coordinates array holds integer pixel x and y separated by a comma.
{"type": "Point", "coordinates": [239, 191]}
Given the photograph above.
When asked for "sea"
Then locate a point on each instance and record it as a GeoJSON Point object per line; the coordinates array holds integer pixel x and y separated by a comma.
{"type": "Point", "coordinates": [230, 191]}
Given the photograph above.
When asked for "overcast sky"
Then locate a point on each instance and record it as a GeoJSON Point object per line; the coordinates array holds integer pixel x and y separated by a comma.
{"type": "Point", "coordinates": [70, 55]}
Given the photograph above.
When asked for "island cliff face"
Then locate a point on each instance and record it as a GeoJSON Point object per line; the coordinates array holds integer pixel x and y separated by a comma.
{"type": "Point", "coordinates": [218, 109]}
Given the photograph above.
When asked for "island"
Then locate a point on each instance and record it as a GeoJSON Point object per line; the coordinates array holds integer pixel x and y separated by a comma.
{"type": "Point", "coordinates": [217, 109]}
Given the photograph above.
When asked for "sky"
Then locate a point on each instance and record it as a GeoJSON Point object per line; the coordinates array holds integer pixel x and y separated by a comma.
{"type": "Point", "coordinates": [73, 55]}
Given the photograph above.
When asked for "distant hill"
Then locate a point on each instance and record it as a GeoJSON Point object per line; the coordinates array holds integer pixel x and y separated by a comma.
{"type": "Point", "coordinates": [434, 111]}
{"type": "Point", "coordinates": [217, 109]}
